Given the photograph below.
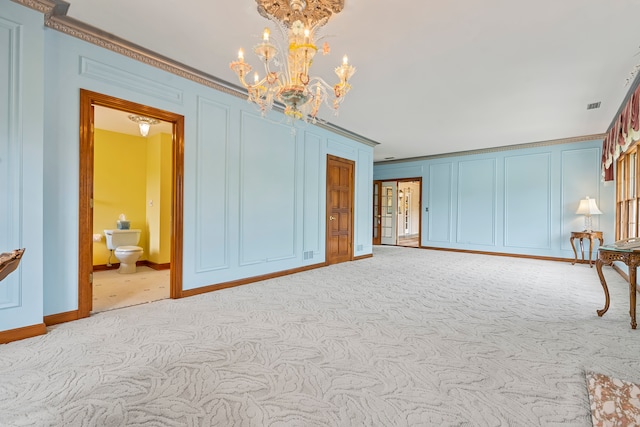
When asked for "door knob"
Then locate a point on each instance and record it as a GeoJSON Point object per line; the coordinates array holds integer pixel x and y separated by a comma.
{"type": "Point", "coordinates": [331, 217]}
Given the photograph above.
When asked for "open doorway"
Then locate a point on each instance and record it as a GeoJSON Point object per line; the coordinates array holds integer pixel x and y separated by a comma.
{"type": "Point", "coordinates": [103, 196]}
{"type": "Point", "coordinates": [397, 212]}
{"type": "Point", "coordinates": [132, 186]}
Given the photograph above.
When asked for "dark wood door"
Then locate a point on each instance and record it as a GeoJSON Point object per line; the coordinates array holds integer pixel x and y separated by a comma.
{"type": "Point", "coordinates": [377, 212]}
{"type": "Point", "coordinates": [339, 210]}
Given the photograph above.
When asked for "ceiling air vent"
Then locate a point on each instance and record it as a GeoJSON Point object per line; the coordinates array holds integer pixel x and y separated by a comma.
{"type": "Point", "coordinates": [593, 106]}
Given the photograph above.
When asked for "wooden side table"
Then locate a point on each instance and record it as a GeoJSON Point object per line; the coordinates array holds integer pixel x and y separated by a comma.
{"type": "Point", "coordinates": [607, 256]}
{"type": "Point", "coordinates": [591, 235]}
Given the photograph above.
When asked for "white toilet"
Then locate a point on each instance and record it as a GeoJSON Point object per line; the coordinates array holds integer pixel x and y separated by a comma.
{"type": "Point", "coordinates": [124, 242]}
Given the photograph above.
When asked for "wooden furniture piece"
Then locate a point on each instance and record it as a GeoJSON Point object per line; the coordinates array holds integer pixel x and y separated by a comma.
{"type": "Point", "coordinates": [9, 262]}
{"type": "Point", "coordinates": [607, 256]}
{"type": "Point", "coordinates": [591, 235]}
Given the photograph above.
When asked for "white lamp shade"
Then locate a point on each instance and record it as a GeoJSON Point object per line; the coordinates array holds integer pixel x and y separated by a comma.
{"type": "Point", "coordinates": [588, 207]}
{"type": "Point", "coordinates": [144, 128]}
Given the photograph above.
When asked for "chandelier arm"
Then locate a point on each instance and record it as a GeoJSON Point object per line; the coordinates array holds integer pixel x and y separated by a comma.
{"type": "Point", "coordinates": [282, 51]}
{"type": "Point", "coordinates": [329, 98]}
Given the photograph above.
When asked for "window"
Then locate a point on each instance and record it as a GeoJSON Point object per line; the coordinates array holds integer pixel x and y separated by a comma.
{"type": "Point", "coordinates": [627, 197]}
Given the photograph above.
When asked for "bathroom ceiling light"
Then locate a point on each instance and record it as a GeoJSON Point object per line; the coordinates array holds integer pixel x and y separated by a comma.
{"type": "Point", "coordinates": [144, 123]}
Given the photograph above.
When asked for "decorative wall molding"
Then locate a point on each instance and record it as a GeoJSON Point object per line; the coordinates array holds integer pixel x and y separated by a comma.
{"type": "Point", "coordinates": [497, 149]}
{"type": "Point", "coordinates": [344, 150]}
{"type": "Point", "coordinates": [122, 78]}
{"type": "Point", "coordinates": [11, 158]}
{"type": "Point", "coordinates": [47, 7]}
{"type": "Point", "coordinates": [313, 187]}
{"type": "Point", "coordinates": [575, 183]}
{"type": "Point", "coordinates": [268, 203]}
{"type": "Point", "coordinates": [212, 186]}
{"type": "Point", "coordinates": [440, 181]}
{"type": "Point", "coordinates": [470, 173]}
{"type": "Point", "coordinates": [518, 199]}
{"type": "Point", "coordinates": [55, 18]}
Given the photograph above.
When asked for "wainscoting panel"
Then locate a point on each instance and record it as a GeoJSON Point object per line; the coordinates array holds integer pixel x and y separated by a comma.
{"type": "Point", "coordinates": [21, 168]}
{"type": "Point", "coordinates": [339, 149]}
{"type": "Point", "coordinates": [313, 188]}
{"type": "Point", "coordinates": [212, 221]}
{"type": "Point", "coordinates": [363, 230]}
{"type": "Point", "coordinates": [268, 155]}
{"type": "Point", "coordinates": [578, 182]}
{"type": "Point", "coordinates": [527, 201]}
{"type": "Point", "coordinates": [438, 218]}
{"type": "Point", "coordinates": [10, 154]}
{"type": "Point", "coordinates": [477, 202]}
{"type": "Point", "coordinates": [127, 80]}
{"type": "Point", "coordinates": [515, 201]}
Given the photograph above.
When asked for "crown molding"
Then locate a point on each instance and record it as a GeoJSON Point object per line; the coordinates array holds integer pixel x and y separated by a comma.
{"type": "Point", "coordinates": [496, 149]}
{"type": "Point", "coordinates": [55, 17]}
{"type": "Point", "coordinates": [47, 7]}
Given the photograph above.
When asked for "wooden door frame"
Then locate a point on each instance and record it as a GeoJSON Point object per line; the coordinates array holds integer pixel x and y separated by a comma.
{"type": "Point", "coordinates": [327, 207]}
{"type": "Point", "coordinates": [419, 179]}
{"type": "Point", "coordinates": [378, 203]}
{"type": "Point", "coordinates": [89, 99]}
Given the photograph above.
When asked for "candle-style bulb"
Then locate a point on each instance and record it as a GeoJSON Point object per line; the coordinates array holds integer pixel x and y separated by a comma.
{"type": "Point", "coordinates": [345, 60]}
{"type": "Point", "coordinates": [256, 78]}
{"type": "Point", "coordinates": [265, 35]}
{"type": "Point", "coordinates": [306, 33]}
{"type": "Point", "coordinates": [240, 55]}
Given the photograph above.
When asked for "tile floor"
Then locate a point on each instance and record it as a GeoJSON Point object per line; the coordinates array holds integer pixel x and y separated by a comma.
{"type": "Point", "coordinates": [113, 290]}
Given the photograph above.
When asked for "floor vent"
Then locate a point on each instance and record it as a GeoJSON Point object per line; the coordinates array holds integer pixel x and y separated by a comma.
{"type": "Point", "coordinates": [308, 255]}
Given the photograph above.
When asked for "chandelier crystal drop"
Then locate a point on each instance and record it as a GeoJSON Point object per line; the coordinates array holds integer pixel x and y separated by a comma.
{"type": "Point", "coordinates": [287, 71]}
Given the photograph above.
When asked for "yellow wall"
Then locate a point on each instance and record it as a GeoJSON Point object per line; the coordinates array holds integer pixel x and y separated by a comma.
{"type": "Point", "coordinates": [159, 198]}
{"type": "Point", "coordinates": [129, 172]}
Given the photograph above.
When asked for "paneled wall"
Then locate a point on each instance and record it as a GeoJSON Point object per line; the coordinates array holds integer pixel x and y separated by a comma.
{"type": "Point", "coordinates": [519, 201]}
{"type": "Point", "coordinates": [21, 176]}
{"type": "Point", "coordinates": [254, 187]}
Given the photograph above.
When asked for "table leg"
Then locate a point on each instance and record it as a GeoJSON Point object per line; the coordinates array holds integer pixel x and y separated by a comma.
{"type": "Point", "coordinates": [632, 295]}
{"type": "Point", "coordinates": [590, 250]}
{"type": "Point", "coordinates": [575, 254]}
{"type": "Point", "coordinates": [582, 248]}
{"type": "Point", "coordinates": [604, 287]}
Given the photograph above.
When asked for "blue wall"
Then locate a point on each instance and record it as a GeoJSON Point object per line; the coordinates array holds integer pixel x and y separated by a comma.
{"type": "Point", "coordinates": [516, 201]}
{"type": "Point", "coordinates": [254, 188]}
{"type": "Point", "coordinates": [21, 150]}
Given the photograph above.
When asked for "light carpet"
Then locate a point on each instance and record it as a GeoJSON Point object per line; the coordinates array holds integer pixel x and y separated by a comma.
{"type": "Point", "coordinates": [113, 290]}
{"type": "Point", "coordinates": [409, 337]}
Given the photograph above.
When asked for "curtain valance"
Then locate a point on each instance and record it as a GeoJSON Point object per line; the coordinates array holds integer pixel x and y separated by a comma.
{"type": "Point", "coordinates": [624, 132]}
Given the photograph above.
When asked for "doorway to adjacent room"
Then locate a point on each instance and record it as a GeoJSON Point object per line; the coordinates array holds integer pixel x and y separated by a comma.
{"type": "Point", "coordinates": [397, 209]}
{"type": "Point", "coordinates": [89, 101]}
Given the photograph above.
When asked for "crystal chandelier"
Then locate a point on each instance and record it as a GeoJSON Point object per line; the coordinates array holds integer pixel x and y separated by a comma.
{"type": "Point", "coordinates": [287, 78]}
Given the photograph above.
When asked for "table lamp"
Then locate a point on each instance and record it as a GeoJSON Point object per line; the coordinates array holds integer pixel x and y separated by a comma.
{"type": "Point", "coordinates": [587, 208]}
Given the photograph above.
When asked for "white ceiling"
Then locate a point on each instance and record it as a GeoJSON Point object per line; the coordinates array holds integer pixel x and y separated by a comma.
{"type": "Point", "coordinates": [433, 76]}
{"type": "Point", "coordinates": [118, 121]}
